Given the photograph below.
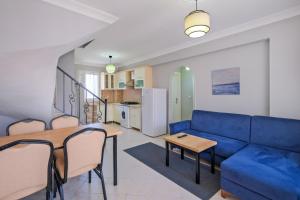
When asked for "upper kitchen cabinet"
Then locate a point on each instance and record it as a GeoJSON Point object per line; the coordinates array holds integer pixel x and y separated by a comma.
{"type": "Point", "coordinates": [107, 81]}
{"type": "Point", "coordinates": [121, 80]}
{"type": "Point", "coordinates": [137, 78]}
{"type": "Point", "coordinates": [125, 79]}
{"type": "Point", "coordinates": [143, 77]}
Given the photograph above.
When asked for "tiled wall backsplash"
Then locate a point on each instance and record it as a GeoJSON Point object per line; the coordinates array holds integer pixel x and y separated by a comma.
{"type": "Point", "coordinates": [112, 96]}
{"type": "Point", "coordinates": [117, 96]}
{"type": "Point", "coordinates": [132, 95]}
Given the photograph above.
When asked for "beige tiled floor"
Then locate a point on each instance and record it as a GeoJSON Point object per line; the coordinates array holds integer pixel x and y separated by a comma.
{"type": "Point", "coordinates": [136, 181]}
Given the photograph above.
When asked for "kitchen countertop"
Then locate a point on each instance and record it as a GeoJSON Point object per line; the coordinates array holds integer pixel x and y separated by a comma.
{"type": "Point", "coordinates": [130, 105]}
{"type": "Point", "coordinates": [135, 105]}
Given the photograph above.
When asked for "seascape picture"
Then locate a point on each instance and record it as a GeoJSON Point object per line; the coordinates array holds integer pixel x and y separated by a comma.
{"type": "Point", "coordinates": [226, 81]}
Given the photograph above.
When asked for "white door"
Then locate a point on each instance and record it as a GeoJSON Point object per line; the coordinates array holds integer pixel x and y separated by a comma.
{"type": "Point", "coordinates": [176, 96]}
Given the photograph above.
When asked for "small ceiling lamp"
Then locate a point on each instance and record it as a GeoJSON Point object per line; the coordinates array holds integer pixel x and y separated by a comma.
{"type": "Point", "coordinates": [110, 68]}
{"type": "Point", "coordinates": [197, 23]}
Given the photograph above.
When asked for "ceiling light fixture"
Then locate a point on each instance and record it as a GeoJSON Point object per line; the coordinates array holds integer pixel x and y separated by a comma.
{"type": "Point", "coordinates": [197, 23]}
{"type": "Point", "coordinates": [110, 68]}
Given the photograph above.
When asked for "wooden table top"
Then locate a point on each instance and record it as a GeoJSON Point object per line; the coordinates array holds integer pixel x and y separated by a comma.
{"type": "Point", "coordinates": [190, 142]}
{"type": "Point", "coordinates": [58, 136]}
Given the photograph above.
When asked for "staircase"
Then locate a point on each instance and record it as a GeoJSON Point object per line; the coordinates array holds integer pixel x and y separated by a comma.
{"type": "Point", "coordinates": [31, 45]}
{"type": "Point", "coordinates": [73, 98]}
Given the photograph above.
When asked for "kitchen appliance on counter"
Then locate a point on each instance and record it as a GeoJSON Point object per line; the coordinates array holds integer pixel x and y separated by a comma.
{"type": "Point", "coordinates": [154, 111]}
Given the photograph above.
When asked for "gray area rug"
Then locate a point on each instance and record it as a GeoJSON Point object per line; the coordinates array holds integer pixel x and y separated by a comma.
{"type": "Point", "coordinates": [181, 172]}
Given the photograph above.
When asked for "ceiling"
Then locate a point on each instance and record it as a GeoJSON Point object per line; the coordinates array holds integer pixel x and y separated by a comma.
{"type": "Point", "coordinates": [145, 28]}
{"type": "Point", "coordinates": [36, 24]}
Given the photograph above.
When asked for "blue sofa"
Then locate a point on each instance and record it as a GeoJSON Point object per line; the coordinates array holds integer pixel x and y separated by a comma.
{"type": "Point", "coordinates": [231, 131]}
{"type": "Point", "coordinates": [264, 165]}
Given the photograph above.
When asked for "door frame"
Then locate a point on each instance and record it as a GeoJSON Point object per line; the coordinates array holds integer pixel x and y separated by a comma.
{"type": "Point", "coordinates": [170, 106]}
{"type": "Point", "coordinates": [171, 100]}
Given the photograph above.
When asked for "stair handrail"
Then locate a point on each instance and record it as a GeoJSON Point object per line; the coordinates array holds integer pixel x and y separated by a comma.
{"type": "Point", "coordinates": [80, 85]}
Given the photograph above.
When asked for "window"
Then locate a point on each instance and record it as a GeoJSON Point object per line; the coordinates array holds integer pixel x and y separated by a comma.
{"type": "Point", "coordinates": [92, 84]}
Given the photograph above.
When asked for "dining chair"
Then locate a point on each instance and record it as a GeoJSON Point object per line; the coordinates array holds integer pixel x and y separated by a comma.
{"type": "Point", "coordinates": [82, 152]}
{"type": "Point", "coordinates": [64, 121]}
{"type": "Point", "coordinates": [26, 168]}
{"type": "Point", "coordinates": [26, 126]}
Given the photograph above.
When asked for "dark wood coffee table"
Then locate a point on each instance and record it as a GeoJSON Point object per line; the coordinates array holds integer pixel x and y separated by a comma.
{"type": "Point", "coordinates": [194, 144]}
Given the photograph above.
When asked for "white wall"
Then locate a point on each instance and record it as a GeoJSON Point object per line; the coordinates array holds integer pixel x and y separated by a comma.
{"type": "Point", "coordinates": [66, 63]}
{"type": "Point", "coordinates": [253, 63]}
{"type": "Point", "coordinates": [285, 69]}
{"type": "Point", "coordinates": [27, 82]}
{"type": "Point", "coordinates": [5, 121]}
{"type": "Point", "coordinates": [246, 51]}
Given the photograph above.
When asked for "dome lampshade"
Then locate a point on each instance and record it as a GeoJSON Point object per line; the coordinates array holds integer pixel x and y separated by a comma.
{"type": "Point", "coordinates": [110, 68]}
{"type": "Point", "coordinates": [197, 24]}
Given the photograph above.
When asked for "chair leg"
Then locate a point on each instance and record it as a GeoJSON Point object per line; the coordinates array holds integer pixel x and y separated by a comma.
{"type": "Point", "coordinates": [49, 196]}
{"type": "Point", "coordinates": [60, 188]}
{"type": "Point", "coordinates": [103, 185]}
{"type": "Point", "coordinates": [100, 174]}
{"type": "Point", "coordinates": [61, 192]}
{"type": "Point", "coordinates": [90, 176]}
{"type": "Point", "coordinates": [54, 189]}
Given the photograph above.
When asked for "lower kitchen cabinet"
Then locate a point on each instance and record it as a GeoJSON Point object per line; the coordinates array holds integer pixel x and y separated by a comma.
{"type": "Point", "coordinates": [110, 112]}
{"type": "Point", "coordinates": [135, 116]}
{"type": "Point", "coordinates": [113, 112]}
{"type": "Point", "coordinates": [117, 113]}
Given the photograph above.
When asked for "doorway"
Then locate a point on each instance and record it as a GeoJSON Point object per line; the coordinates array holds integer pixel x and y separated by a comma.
{"type": "Point", "coordinates": [176, 96]}
{"type": "Point", "coordinates": [181, 94]}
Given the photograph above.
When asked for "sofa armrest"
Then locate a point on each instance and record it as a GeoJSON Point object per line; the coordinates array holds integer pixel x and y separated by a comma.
{"type": "Point", "coordinates": [179, 126]}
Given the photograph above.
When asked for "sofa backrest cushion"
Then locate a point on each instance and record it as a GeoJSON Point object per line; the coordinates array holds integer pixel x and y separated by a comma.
{"type": "Point", "coordinates": [234, 126]}
{"type": "Point", "coordinates": [276, 132]}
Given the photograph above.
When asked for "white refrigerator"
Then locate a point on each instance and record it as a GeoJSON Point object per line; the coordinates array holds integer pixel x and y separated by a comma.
{"type": "Point", "coordinates": [154, 111]}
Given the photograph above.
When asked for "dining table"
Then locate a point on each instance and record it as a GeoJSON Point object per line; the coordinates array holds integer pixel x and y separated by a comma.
{"type": "Point", "coordinates": [57, 137]}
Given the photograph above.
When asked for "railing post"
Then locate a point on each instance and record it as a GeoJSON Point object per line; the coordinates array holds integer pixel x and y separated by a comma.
{"type": "Point", "coordinates": [76, 91]}
{"type": "Point", "coordinates": [86, 108]}
{"type": "Point", "coordinates": [105, 110]}
{"type": "Point", "coordinates": [79, 106]}
{"type": "Point", "coordinates": [93, 115]}
{"type": "Point", "coordinates": [64, 107]}
{"type": "Point", "coordinates": [71, 97]}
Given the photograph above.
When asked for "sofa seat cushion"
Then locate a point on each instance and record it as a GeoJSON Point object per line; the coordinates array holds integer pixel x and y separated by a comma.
{"type": "Point", "coordinates": [270, 172]}
{"type": "Point", "coordinates": [225, 148]}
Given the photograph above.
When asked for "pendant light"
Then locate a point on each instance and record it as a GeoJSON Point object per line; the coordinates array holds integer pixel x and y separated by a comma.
{"type": "Point", "coordinates": [197, 23]}
{"type": "Point", "coordinates": [110, 68]}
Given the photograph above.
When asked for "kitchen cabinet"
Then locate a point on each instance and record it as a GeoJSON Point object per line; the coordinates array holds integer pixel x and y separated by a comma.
{"type": "Point", "coordinates": [122, 80]}
{"type": "Point", "coordinates": [113, 112]}
{"type": "Point", "coordinates": [116, 81]}
{"type": "Point", "coordinates": [117, 113]}
{"type": "Point", "coordinates": [143, 77]}
{"type": "Point", "coordinates": [135, 116]}
{"type": "Point", "coordinates": [107, 81]}
{"type": "Point", "coordinates": [140, 76]}
{"type": "Point", "coordinates": [110, 112]}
